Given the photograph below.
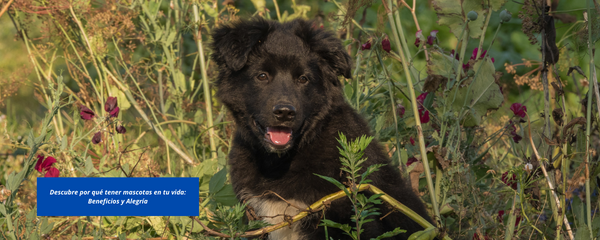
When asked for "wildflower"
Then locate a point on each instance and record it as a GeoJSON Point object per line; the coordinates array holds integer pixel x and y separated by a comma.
{"type": "Point", "coordinates": [44, 164]}
{"type": "Point", "coordinates": [114, 112]}
{"type": "Point", "coordinates": [516, 137]}
{"type": "Point", "coordinates": [86, 113]}
{"type": "Point", "coordinates": [110, 105]}
{"type": "Point", "coordinates": [52, 172]}
{"type": "Point", "coordinates": [97, 138]}
{"type": "Point", "coordinates": [412, 141]}
{"type": "Point", "coordinates": [366, 46]}
{"type": "Point", "coordinates": [511, 182]}
{"type": "Point", "coordinates": [528, 167]}
{"type": "Point", "coordinates": [420, 38]}
{"type": "Point", "coordinates": [400, 110]}
{"type": "Point", "coordinates": [424, 117]}
{"type": "Point", "coordinates": [385, 44]}
{"type": "Point", "coordinates": [432, 37]}
{"type": "Point", "coordinates": [466, 67]}
{"type": "Point", "coordinates": [423, 114]}
{"type": "Point", "coordinates": [121, 129]}
{"type": "Point", "coordinates": [411, 160]}
{"type": "Point", "coordinates": [500, 214]}
{"type": "Point", "coordinates": [518, 109]}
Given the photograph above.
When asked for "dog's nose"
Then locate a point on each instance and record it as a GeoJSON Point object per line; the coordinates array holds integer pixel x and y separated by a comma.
{"type": "Point", "coordinates": [284, 112]}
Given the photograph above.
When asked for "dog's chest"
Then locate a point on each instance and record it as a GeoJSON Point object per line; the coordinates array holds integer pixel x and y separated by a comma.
{"type": "Point", "coordinates": [276, 211]}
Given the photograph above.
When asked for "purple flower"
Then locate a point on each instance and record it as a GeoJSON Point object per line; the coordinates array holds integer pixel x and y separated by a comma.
{"type": "Point", "coordinates": [97, 138]}
{"type": "Point", "coordinates": [400, 110]}
{"type": "Point", "coordinates": [420, 38]}
{"type": "Point", "coordinates": [519, 109]}
{"type": "Point", "coordinates": [432, 37]}
{"type": "Point", "coordinates": [411, 160]}
{"type": "Point", "coordinates": [120, 129]}
{"type": "Point", "coordinates": [510, 181]}
{"type": "Point", "coordinates": [366, 46]}
{"type": "Point", "coordinates": [516, 137]}
{"type": "Point", "coordinates": [86, 113]}
{"type": "Point", "coordinates": [114, 112]}
{"type": "Point", "coordinates": [111, 104]}
{"type": "Point", "coordinates": [385, 44]}
{"type": "Point", "coordinates": [412, 141]}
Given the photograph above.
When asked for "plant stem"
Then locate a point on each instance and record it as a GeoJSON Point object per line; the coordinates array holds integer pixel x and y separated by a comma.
{"type": "Point", "coordinates": [413, 99]}
{"type": "Point", "coordinates": [594, 83]}
{"type": "Point", "coordinates": [207, 95]}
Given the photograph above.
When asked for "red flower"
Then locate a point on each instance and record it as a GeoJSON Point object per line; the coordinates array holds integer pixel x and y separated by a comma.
{"type": "Point", "coordinates": [424, 116]}
{"type": "Point", "coordinates": [432, 37]}
{"type": "Point", "coordinates": [511, 182]}
{"type": "Point", "coordinates": [86, 113]}
{"type": "Point", "coordinates": [518, 109]}
{"type": "Point", "coordinates": [121, 129]}
{"type": "Point", "coordinates": [385, 44]}
{"type": "Point", "coordinates": [420, 38]}
{"type": "Point", "coordinates": [52, 172]}
{"type": "Point", "coordinates": [411, 160]}
{"type": "Point", "coordinates": [110, 105]}
{"type": "Point", "coordinates": [412, 141]}
{"type": "Point", "coordinates": [466, 67]}
{"type": "Point", "coordinates": [400, 110]}
{"type": "Point", "coordinates": [500, 214]}
{"type": "Point", "coordinates": [114, 112]}
{"type": "Point", "coordinates": [97, 138]}
{"type": "Point", "coordinates": [44, 165]}
{"type": "Point", "coordinates": [366, 46]}
{"type": "Point", "coordinates": [421, 99]}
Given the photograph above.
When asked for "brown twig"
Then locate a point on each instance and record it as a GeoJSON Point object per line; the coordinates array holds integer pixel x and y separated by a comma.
{"type": "Point", "coordinates": [550, 186]}
{"type": "Point", "coordinates": [320, 204]}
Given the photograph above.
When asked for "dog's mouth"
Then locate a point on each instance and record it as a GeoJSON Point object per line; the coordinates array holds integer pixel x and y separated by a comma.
{"type": "Point", "coordinates": [278, 138]}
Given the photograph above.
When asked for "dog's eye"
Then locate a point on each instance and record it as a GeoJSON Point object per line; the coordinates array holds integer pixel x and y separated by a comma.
{"type": "Point", "coordinates": [302, 79]}
{"type": "Point", "coordinates": [262, 77]}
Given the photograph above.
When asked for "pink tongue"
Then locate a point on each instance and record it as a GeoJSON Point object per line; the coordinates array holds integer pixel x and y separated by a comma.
{"type": "Point", "coordinates": [279, 136]}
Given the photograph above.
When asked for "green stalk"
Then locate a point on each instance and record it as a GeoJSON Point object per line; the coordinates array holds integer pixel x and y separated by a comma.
{"type": "Point", "coordinates": [413, 99]}
{"type": "Point", "coordinates": [413, 71]}
{"type": "Point", "coordinates": [592, 74]}
{"type": "Point", "coordinates": [207, 95]}
{"type": "Point", "coordinates": [510, 227]}
{"type": "Point", "coordinates": [277, 10]}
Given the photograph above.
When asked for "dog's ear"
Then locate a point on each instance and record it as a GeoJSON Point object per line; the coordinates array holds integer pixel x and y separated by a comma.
{"type": "Point", "coordinates": [326, 45]}
{"type": "Point", "coordinates": [232, 43]}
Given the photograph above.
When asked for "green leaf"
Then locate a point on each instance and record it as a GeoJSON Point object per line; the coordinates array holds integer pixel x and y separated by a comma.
{"type": "Point", "coordinates": [63, 143]}
{"type": "Point", "coordinates": [46, 227]}
{"type": "Point", "coordinates": [217, 181]}
{"type": "Point", "coordinates": [2, 209]}
{"type": "Point", "coordinates": [484, 94]}
{"type": "Point", "coordinates": [226, 196]}
{"type": "Point", "coordinates": [427, 234]}
{"type": "Point", "coordinates": [260, 5]}
{"type": "Point", "coordinates": [390, 234]}
{"type": "Point", "coordinates": [583, 233]}
{"type": "Point", "coordinates": [334, 181]}
{"type": "Point", "coordinates": [453, 13]}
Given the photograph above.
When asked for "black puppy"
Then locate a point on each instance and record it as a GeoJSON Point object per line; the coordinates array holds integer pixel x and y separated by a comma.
{"type": "Point", "coordinates": [280, 83]}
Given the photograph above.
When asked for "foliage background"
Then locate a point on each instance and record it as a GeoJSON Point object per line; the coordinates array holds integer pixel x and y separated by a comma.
{"type": "Point", "coordinates": [152, 53]}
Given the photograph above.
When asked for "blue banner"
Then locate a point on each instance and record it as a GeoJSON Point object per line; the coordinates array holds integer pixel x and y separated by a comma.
{"type": "Point", "coordinates": [118, 196]}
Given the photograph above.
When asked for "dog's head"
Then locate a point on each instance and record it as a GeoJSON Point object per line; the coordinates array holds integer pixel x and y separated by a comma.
{"type": "Point", "coordinates": [278, 80]}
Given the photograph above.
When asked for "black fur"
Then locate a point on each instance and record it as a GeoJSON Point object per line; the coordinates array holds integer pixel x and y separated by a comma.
{"type": "Point", "coordinates": [284, 53]}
